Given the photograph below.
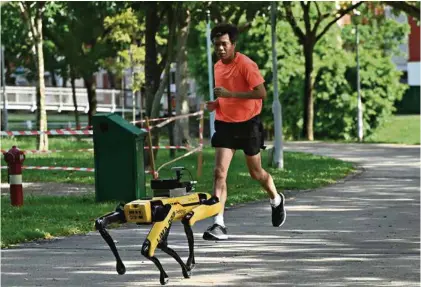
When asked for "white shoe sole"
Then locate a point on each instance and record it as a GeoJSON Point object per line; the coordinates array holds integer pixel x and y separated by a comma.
{"type": "Point", "coordinates": [209, 236]}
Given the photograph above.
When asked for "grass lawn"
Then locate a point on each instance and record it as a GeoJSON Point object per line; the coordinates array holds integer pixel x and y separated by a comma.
{"type": "Point", "coordinates": [402, 129]}
{"type": "Point", "coordinates": [48, 216]}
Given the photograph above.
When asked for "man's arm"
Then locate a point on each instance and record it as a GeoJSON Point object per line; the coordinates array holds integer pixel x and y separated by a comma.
{"type": "Point", "coordinates": [259, 92]}
{"type": "Point", "coordinates": [212, 105]}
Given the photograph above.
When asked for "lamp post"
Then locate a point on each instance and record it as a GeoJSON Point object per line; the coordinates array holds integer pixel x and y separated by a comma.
{"type": "Point", "coordinates": [122, 89]}
{"type": "Point", "coordinates": [278, 155]}
{"type": "Point", "coordinates": [210, 72]}
{"type": "Point", "coordinates": [132, 84]}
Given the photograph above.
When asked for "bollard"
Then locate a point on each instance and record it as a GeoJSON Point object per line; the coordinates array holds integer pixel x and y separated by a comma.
{"type": "Point", "coordinates": [14, 158]}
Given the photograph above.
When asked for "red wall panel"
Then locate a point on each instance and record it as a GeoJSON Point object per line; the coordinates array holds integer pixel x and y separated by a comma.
{"type": "Point", "coordinates": [414, 41]}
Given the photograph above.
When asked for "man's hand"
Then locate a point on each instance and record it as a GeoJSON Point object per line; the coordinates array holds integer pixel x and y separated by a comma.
{"type": "Point", "coordinates": [212, 105]}
{"type": "Point", "coordinates": [222, 92]}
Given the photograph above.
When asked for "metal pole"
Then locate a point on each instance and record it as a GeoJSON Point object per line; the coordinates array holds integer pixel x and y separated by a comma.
{"type": "Point", "coordinates": [170, 125]}
{"type": "Point", "coordinates": [3, 82]}
{"type": "Point", "coordinates": [278, 155]}
{"type": "Point", "coordinates": [132, 83]}
{"type": "Point", "coordinates": [122, 89]}
{"type": "Point", "coordinates": [210, 72]}
{"type": "Point", "coordinates": [140, 105]}
{"type": "Point", "coordinates": [359, 104]}
{"type": "Point", "coordinates": [123, 92]}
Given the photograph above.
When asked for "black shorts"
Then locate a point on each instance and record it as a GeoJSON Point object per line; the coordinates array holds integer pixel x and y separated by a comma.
{"type": "Point", "coordinates": [247, 136]}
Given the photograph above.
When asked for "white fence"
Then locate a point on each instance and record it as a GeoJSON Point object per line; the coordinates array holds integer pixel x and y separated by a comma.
{"type": "Point", "coordinates": [61, 99]}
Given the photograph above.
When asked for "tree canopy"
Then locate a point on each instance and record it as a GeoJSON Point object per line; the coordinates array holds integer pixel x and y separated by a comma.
{"type": "Point", "coordinates": [316, 56]}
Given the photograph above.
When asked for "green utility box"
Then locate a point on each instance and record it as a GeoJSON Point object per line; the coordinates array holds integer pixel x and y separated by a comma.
{"type": "Point", "coordinates": [119, 165]}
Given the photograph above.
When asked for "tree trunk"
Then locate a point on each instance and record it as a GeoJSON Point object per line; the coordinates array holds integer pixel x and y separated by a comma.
{"type": "Point", "coordinates": [9, 79]}
{"type": "Point", "coordinates": [72, 82]}
{"type": "Point", "coordinates": [64, 81]}
{"type": "Point", "coordinates": [308, 93]}
{"type": "Point", "coordinates": [151, 65]}
{"type": "Point", "coordinates": [53, 78]}
{"type": "Point", "coordinates": [90, 88]}
{"type": "Point", "coordinates": [34, 22]}
{"type": "Point", "coordinates": [42, 140]}
{"type": "Point", "coordinates": [111, 80]}
{"type": "Point", "coordinates": [156, 103]}
{"type": "Point", "coordinates": [152, 74]}
{"type": "Point", "coordinates": [181, 132]}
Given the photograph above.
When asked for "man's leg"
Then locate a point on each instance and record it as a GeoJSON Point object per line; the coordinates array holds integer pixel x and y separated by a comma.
{"type": "Point", "coordinates": [223, 157]}
{"type": "Point", "coordinates": [254, 164]}
{"type": "Point", "coordinates": [277, 200]}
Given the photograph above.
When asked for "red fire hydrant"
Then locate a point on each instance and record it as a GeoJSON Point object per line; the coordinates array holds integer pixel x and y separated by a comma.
{"type": "Point", "coordinates": [14, 158]}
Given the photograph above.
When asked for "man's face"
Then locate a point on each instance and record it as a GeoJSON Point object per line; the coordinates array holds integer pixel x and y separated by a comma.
{"type": "Point", "coordinates": [224, 49]}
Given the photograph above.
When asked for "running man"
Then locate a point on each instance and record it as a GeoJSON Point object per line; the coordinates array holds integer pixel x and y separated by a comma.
{"type": "Point", "coordinates": [240, 91]}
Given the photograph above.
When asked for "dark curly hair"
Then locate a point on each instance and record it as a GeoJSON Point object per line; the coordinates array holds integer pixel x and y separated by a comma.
{"type": "Point", "coordinates": [223, 29]}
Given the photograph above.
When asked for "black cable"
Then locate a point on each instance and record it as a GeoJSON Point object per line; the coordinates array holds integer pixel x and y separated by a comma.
{"type": "Point", "coordinates": [191, 177]}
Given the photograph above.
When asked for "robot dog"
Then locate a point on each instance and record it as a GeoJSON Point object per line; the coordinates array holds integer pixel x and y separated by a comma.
{"type": "Point", "coordinates": [175, 202]}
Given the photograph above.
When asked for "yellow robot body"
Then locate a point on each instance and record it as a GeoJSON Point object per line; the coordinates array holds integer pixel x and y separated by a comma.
{"type": "Point", "coordinates": [161, 212]}
{"type": "Point", "coordinates": [140, 211]}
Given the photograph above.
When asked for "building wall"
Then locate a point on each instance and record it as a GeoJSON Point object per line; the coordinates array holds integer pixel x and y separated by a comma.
{"type": "Point", "coordinates": [414, 41]}
{"type": "Point", "coordinates": [401, 61]}
{"type": "Point", "coordinates": [409, 63]}
{"type": "Point", "coordinates": [414, 54]}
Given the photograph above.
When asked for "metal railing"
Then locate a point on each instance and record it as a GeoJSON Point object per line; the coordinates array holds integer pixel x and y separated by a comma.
{"type": "Point", "coordinates": [61, 99]}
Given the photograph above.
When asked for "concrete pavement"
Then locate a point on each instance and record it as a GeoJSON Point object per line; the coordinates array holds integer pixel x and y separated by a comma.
{"type": "Point", "coordinates": [361, 232]}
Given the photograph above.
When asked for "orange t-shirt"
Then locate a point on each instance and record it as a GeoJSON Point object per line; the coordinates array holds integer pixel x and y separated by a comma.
{"type": "Point", "coordinates": [241, 75]}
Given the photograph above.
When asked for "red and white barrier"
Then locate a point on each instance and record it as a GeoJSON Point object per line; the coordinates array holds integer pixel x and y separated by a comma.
{"type": "Point", "coordinates": [79, 128]}
{"type": "Point", "coordinates": [167, 121]}
{"type": "Point", "coordinates": [67, 168]}
{"type": "Point", "coordinates": [53, 150]}
{"type": "Point", "coordinates": [168, 118]}
{"type": "Point", "coordinates": [169, 147]}
{"type": "Point", "coordinates": [35, 151]}
{"type": "Point", "coordinates": [88, 129]}
{"type": "Point", "coordinates": [60, 132]}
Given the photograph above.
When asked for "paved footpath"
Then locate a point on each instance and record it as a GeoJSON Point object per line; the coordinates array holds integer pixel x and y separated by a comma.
{"type": "Point", "coordinates": [364, 231]}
